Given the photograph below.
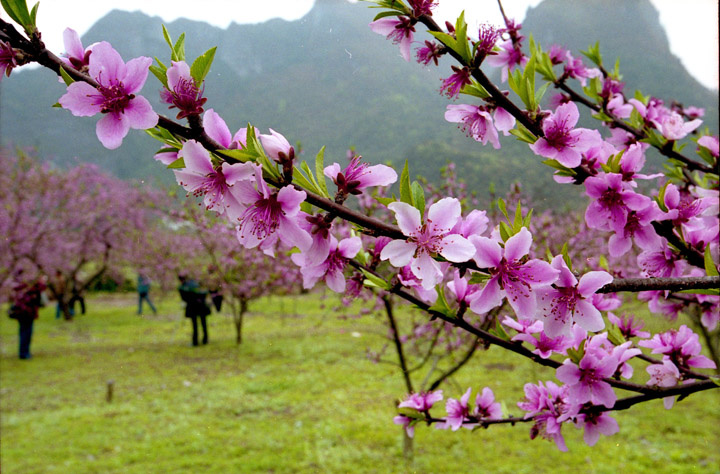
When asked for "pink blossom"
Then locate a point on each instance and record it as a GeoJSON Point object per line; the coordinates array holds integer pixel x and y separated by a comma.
{"type": "Point", "coordinates": [628, 326]}
{"type": "Point", "coordinates": [511, 275]}
{"type": "Point", "coordinates": [545, 346]}
{"type": "Point", "coordinates": [618, 107]}
{"type": "Point", "coordinates": [428, 239]}
{"type": "Point", "coordinates": [562, 141]}
{"type": "Point", "coordinates": [182, 91]}
{"type": "Point", "coordinates": [557, 54]}
{"type": "Point", "coordinates": [660, 261]}
{"type": "Point", "coordinates": [422, 401]}
{"type": "Point", "coordinates": [277, 147]}
{"type": "Point", "coordinates": [711, 143]}
{"type": "Point", "coordinates": [475, 121]}
{"type": "Point", "coordinates": [547, 405]}
{"type": "Point", "coordinates": [457, 412]}
{"type": "Point", "coordinates": [77, 57]}
{"type": "Point", "coordinates": [487, 37]}
{"type": "Point", "coordinates": [331, 269]}
{"type": "Point", "coordinates": [638, 228]}
{"type": "Point", "coordinates": [406, 423]}
{"type": "Point", "coordinates": [575, 68]}
{"type": "Point", "coordinates": [214, 184]}
{"type": "Point", "coordinates": [115, 96]}
{"type": "Point", "coordinates": [570, 301]}
{"type": "Point", "coordinates": [674, 127]}
{"type": "Point", "coordinates": [507, 58]}
{"type": "Point", "coordinates": [665, 374]}
{"type": "Point", "coordinates": [681, 346]}
{"type": "Point", "coordinates": [422, 7]}
{"type": "Point", "coordinates": [398, 29]}
{"type": "Point", "coordinates": [217, 129]}
{"type": "Point", "coordinates": [585, 380]}
{"type": "Point", "coordinates": [430, 52]}
{"type": "Point", "coordinates": [270, 215]}
{"type": "Point", "coordinates": [358, 175]}
{"type": "Point", "coordinates": [595, 424]}
{"type": "Point", "coordinates": [612, 201]}
{"type": "Point", "coordinates": [486, 407]}
{"type": "Point", "coordinates": [452, 85]}
{"type": "Point", "coordinates": [8, 59]}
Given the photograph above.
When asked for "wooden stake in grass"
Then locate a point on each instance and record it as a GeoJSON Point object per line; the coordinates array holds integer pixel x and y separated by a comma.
{"type": "Point", "coordinates": [110, 386]}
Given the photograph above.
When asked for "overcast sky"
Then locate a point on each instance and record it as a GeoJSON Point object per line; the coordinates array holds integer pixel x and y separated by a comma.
{"type": "Point", "coordinates": [692, 25]}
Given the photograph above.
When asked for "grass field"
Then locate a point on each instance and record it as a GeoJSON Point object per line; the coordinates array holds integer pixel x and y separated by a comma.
{"type": "Point", "coordinates": [297, 396]}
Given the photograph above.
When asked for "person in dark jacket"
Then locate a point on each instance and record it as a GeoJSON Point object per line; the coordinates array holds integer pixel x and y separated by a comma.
{"type": "Point", "coordinates": [195, 306]}
{"type": "Point", "coordinates": [143, 289]}
{"type": "Point", "coordinates": [27, 300]}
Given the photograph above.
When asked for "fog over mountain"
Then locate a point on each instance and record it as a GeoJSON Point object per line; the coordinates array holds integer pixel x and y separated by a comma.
{"type": "Point", "coordinates": [326, 79]}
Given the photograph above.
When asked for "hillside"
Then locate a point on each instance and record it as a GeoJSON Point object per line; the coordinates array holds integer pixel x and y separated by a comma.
{"type": "Point", "coordinates": [326, 79]}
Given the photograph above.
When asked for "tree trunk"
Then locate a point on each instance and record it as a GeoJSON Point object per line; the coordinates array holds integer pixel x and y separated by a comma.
{"type": "Point", "coordinates": [408, 451]}
{"type": "Point", "coordinates": [239, 320]}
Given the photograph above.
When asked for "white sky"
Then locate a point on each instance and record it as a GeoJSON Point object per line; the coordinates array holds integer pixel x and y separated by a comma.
{"type": "Point", "coordinates": [692, 25]}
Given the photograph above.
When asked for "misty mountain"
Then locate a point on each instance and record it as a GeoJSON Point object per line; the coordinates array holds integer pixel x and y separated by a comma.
{"type": "Point", "coordinates": [326, 79]}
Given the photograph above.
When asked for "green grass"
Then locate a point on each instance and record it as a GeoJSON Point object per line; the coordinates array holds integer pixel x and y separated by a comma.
{"type": "Point", "coordinates": [297, 396]}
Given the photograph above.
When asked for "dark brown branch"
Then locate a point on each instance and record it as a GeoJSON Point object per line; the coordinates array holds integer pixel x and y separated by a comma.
{"type": "Point", "coordinates": [670, 284]}
{"type": "Point", "coordinates": [398, 344]}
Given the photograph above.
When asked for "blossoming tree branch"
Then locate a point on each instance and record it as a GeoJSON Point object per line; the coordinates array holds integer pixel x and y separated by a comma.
{"type": "Point", "coordinates": [444, 259]}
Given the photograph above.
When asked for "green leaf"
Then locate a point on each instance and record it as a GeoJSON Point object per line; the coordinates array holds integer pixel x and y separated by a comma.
{"type": "Point", "coordinates": [479, 278]}
{"type": "Point", "coordinates": [523, 134]}
{"type": "Point", "coordinates": [505, 231]}
{"type": "Point", "coordinates": [65, 76]}
{"type": "Point", "coordinates": [500, 332]}
{"type": "Point", "coordinates": [716, 380]}
{"type": "Point", "coordinates": [241, 155]}
{"type": "Point", "coordinates": [503, 209]}
{"type": "Point", "coordinates": [411, 413]}
{"type": "Point", "coordinates": [179, 48]}
{"type": "Point", "coordinates": [201, 66]}
{"type": "Point", "coordinates": [168, 40]}
{"type": "Point", "coordinates": [418, 196]}
{"type": "Point", "coordinates": [603, 262]}
{"type": "Point", "coordinates": [566, 256]}
{"type": "Point", "coordinates": [33, 13]}
{"type": "Point", "coordinates": [517, 223]}
{"type": "Point", "coordinates": [463, 47]}
{"type": "Point", "coordinates": [18, 11]}
{"type": "Point", "coordinates": [373, 280]}
{"type": "Point", "coordinates": [615, 335]}
{"type": "Point", "coordinates": [709, 291]}
{"type": "Point", "coordinates": [475, 90]}
{"type": "Point", "coordinates": [541, 92]}
{"type": "Point", "coordinates": [177, 164]}
{"type": "Point", "coordinates": [710, 267]}
{"type": "Point", "coordinates": [441, 305]}
{"type": "Point", "coordinates": [445, 39]}
{"type": "Point", "coordinates": [386, 200]}
{"type": "Point", "coordinates": [320, 172]}
{"type": "Point", "coordinates": [160, 72]}
{"type": "Point", "coordinates": [386, 14]}
{"type": "Point", "coordinates": [405, 190]}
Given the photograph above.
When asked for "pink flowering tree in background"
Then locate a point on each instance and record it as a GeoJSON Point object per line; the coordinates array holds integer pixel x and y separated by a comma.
{"type": "Point", "coordinates": [205, 247]}
{"type": "Point", "coordinates": [68, 225]}
{"type": "Point", "coordinates": [561, 306]}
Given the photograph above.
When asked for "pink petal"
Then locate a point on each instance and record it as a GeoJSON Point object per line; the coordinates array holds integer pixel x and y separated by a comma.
{"type": "Point", "coordinates": [488, 252]}
{"type": "Point", "coordinates": [591, 282]}
{"type": "Point", "coordinates": [140, 114]}
{"type": "Point", "coordinates": [291, 234]}
{"type": "Point", "coordinates": [106, 65]}
{"type": "Point", "coordinates": [237, 172]}
{"type": "Point", "coordinates": [335, 280]}
{"type": "Point", "coordinates": [408, 217]}
{"type": "Point", "coordinates": [82, 100]}
{"type": "Point", "coordinates": [216, 128]}
{"type": "Point", "coordinates": [457, 248]}
{"type": "Point", "coordinates": [378, 175]}
{"type": "Point", "coordinates": [73, 46]}
{"type": "Point", "coordinates": [196, 158]}
{"type": "Point", "coordinates": [350, 247]}
{"type": "Point", "coordinates": [399, 252]}
{"type": "Point", "coordinates": [444, 214]}
{"type": "Point", "coordinates": [488, 298]}
{"type": "Point", "coordinates": [588, 317]}
{"type": "Point", "coordinates": [290, 200]}
{"type": "Point", "coordinates": [111, 129]}
{"type": "Point", "coordinates": [332, 171]}
{"type": "Point", "coordinates": [518, 245]}
{"type": "Point", "coordinates": [427, 270]}
{"type": "Point", "coordinates": [136, 72]}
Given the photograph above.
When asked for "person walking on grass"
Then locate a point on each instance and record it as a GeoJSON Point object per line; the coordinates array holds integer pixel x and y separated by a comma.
{"type": "Point", "coordinates": [195, 306]}
{"type": "Point", "coordinates": [143, 289]}
{"type": "Point", "coordinates": [27, 300]}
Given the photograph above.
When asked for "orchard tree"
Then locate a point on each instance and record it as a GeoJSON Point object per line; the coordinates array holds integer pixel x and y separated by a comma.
{"type": "Point", "coordinates": [68, 225]}
{"type": "Point", "coordinates": [258, 183]}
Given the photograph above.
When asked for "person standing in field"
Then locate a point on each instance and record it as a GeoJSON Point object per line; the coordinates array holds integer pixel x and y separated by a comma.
{"type": "Point", "coordinates": [195, 306]}
{"type": "Point", "coordinates": [143, 289]}
{"type": "Point", "coordinates": [27, 300]}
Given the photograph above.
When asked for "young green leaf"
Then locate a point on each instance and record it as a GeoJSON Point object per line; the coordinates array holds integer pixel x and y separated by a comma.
{"type": "Point", "coordinates": [320, 172]}
{"type": "Point", "coordinates": [65, 76]}
{"type": "Point", "coordinates": [418, 196]}
{"type": "Point", "coordinates": [405, 190]}
{"type": "Point", "coordinates": [710, 267]}
{"type": "Point", "coordinates": [201, 66]}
